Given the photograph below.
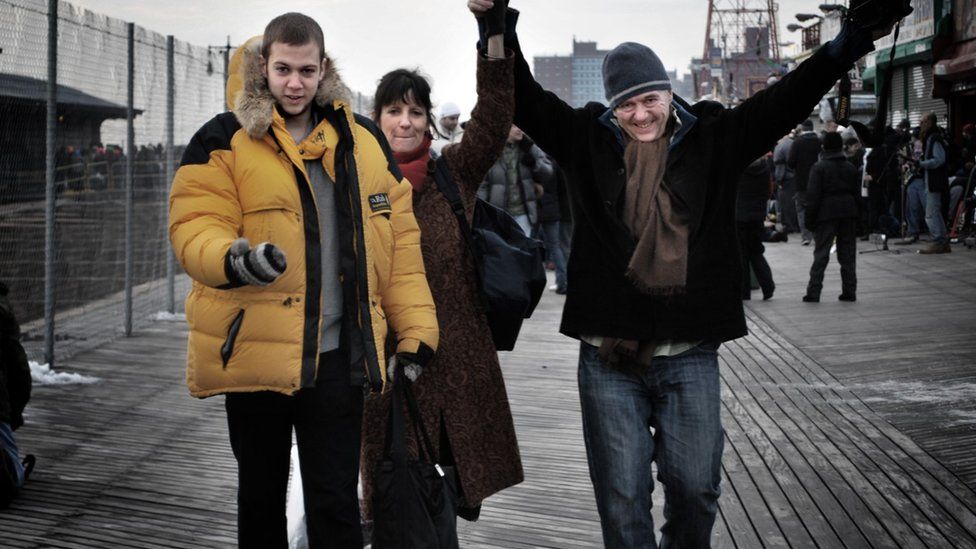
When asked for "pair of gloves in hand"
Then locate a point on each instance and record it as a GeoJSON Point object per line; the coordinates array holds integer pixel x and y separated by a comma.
{"type": "Point", "coordinates": [257, 266]}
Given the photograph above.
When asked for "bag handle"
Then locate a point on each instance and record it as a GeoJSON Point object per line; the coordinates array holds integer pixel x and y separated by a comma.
{"type": "Point", "coordinates": [448, 187]}
{"type": "Point", "coordinates": [396, 440]}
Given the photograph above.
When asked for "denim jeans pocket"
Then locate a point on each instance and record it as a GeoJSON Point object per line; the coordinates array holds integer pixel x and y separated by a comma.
{"type": "Point", "coordinates": [709, 346]}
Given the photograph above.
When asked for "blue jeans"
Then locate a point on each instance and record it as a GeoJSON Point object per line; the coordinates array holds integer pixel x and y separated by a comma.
{"type": "Point", "coordinates": [933, 217]}
{"type": "Point", "coordinates": [915, 206]}
{"type": "Point", "coordinates": [9, 446]}
{"type": "Point", "coordinates": [554, 251]}
{"type": "Point", "coordinates": [680, 398]}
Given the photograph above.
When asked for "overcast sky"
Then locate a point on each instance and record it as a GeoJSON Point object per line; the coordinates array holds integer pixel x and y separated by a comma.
{"type": "Point", "coordinates": [367, 38]}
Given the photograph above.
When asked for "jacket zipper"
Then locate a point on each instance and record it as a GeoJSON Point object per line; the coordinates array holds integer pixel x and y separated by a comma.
{"type": "Point", "coordinates": [227, 349]}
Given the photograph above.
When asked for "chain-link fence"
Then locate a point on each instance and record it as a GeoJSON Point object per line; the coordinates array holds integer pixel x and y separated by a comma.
{"type": "Point", "coordinates": [110, 257]}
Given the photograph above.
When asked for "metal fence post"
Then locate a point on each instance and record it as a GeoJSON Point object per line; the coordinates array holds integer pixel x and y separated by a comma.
{"type": "Point", "coordinates": [52, 121]}
{"type": "Point", "coordinates": [129, 176]}
{"type": "Point", "coordinates": [170, 121]}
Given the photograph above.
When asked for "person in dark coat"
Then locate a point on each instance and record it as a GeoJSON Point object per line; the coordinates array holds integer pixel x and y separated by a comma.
{"type": "Point", "coordinates": [833, 197]}
{"type": "Point", "coordinates": [15, 390]}
{"type": "Point", "coordinates": [550, 213]}
{"type": "Point", "coordinates": [655, 271]}
{"type": "Point", "coordinates": [461, 393]}
{"type": "Point", "coordinates": [750, 213]}
{"type": "Point", "coordinates": [803, 155]}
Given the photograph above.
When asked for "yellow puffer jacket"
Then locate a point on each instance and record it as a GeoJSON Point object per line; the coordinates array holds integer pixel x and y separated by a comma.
{"type": "Point", "coordinates": [243, 175]}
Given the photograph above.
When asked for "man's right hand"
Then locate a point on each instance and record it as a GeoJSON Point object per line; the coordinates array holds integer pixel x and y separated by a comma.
{"type": "Point", "coordinates": [258, 266]}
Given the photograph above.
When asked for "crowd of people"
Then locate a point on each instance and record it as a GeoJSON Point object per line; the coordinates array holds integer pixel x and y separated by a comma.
{"type": "Point", "coordinates": [912, 185]}
{"type": "Point", "coordinates": [328, 266]}
{"type": "Point", "coordinates": [918, 181]}
{"type": "Point", "coordinates": [308, 307]}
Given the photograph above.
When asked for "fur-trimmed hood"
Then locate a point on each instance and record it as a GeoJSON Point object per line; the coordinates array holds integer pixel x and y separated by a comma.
{"type": "Point", "coordinates": [250, 98]}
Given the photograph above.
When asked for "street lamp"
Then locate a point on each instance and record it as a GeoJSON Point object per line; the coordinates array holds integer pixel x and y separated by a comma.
{"type": "Point", "coordinates": [826, 8]}
{"type": "Point", "coordinates": [793, 27]}
{"type": "Point", "coordinates": [802, 17]}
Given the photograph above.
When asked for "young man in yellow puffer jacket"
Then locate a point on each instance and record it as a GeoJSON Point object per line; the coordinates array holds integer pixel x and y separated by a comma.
{"type": "Point", "coordinates": [297, 229]}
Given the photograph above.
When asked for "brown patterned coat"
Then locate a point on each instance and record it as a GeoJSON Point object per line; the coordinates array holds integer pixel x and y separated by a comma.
{"type": "Point", "coordinates": [461, 391]}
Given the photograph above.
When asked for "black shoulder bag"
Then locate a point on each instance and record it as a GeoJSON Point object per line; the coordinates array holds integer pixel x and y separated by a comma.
{"type": "Point", "coordinates": [508, 263]}
{"type": "Point", "coordinates": [414, 501]}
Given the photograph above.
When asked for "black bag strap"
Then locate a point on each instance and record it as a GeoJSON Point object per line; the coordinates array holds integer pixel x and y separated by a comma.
{"type": "Point", "coordinates": [448, 187]}
{"type": "Point", "coordinates": [395, 446]}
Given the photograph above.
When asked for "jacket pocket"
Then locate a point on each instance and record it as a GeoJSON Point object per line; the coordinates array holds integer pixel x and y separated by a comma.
{"type": "Point", "coordinates": [227, 349]}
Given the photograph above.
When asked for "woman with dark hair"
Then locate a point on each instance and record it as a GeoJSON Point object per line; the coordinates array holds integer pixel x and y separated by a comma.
{"type": "Point", "coordinates": [461, 391]}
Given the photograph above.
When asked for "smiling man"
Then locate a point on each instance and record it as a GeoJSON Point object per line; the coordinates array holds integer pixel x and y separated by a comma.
{"type": "Point", "coordinates": [293, 327]}
{"type": "Point", "coordinates": [654, 271]}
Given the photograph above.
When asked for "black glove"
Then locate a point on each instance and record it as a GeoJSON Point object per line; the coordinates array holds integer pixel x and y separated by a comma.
{"type": "Point", "coordinates": [875, 15]}
{"type": "Point", "coordinates": [258, 266]}
{"type": "Point", "coordinates": [495, 18]}
{"type": "Point", "coordinates": [410, 364]}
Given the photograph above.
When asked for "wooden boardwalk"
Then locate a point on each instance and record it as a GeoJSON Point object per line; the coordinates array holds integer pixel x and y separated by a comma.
{"type": "Point", "coordinates": [848, 425]}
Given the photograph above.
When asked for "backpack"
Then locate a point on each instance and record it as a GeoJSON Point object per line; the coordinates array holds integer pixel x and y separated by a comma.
{"type": "Point", "coordinates": [508, 264]}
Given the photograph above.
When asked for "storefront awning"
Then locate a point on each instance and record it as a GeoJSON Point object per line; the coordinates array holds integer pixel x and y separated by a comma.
{"type": "Point", "coordinates": [909, 52]}
{"type": "Point", "coordinates": [958, 63]}
{"type": "Point", "coordinates": [868, 73]}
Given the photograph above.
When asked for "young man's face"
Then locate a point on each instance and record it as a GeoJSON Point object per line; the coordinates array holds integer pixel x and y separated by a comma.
{"type": "Point", "coordinates": [449, 123]}
{"type": "Point", "coordinates": [293, 74]}
{"type": "Point", "coordinates": [645, 117]}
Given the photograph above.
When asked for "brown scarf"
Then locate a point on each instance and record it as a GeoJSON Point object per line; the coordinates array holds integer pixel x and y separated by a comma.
{"type": "Point", "coordinates": [659, 264]}
{"type": "Point", "coordinates": [413, 164]}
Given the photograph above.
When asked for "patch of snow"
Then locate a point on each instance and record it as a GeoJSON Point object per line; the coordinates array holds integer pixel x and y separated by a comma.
{"type": "Point", "coordinates": [918, 392]}
{"type": "Point", "coordinates": [42, 374]}
{"type": "Point", "coordinates": [165, 316]}
{"type": "Point", "coordinates": [963, 417]}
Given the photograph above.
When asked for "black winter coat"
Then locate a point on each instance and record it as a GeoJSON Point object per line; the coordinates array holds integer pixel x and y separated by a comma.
{"type": "Point", "coordinates": [15, 376]}
{"type": "Point", "coordinates": [753, 196]}
{"type": "Point", "coordinates": [549, 207]}
{"type": "Point", "coordinates": [713, 145]}
{"type": "Point", "coordinates": [803, 155]}
{"type": "Point", "coordinates": [834, 190]}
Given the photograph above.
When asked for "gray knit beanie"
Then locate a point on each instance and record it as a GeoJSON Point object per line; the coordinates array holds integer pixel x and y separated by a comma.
{"type": "Point", "coordinates": [632, 69]}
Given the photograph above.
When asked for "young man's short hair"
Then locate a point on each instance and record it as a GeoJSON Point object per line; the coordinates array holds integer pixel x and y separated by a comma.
{"type": "Point", "coordinates": [293, 29]}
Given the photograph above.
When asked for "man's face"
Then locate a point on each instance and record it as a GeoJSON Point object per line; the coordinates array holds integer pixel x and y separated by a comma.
{"type": "Point", "coordinates": [645, 117]}
{"type": "Point", "coordinates": [404, 124]}
{"type": "Point", "coordinates": [293, 74]}
{"type": "Point", "coordinates": [925, 125]}
{"type": "Point", "coordinates": [449, 123]}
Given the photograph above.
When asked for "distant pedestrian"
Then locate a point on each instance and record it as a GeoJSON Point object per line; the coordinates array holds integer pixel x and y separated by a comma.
{"type": "Point", "coordinates": [750, 216]}
{"type": "Point", "coordinates": [914, 190]}
{"type": "Point", "coordinates": [833, 199]}
{"type": "Point", "coordinates": [803, 155]}
{"type": "Point", "coordinates": [548, 229]}
{"type": "Point", "coordinates": [515, 182]}
{"type": "Point", "coordinates": [785, 184]}
{"type": "Point", "coordinates": [448, 129]}
{"type": "Point", "coordinates": [936, 174]}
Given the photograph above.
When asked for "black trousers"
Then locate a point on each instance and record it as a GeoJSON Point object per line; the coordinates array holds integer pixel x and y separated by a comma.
{"type": "Point", "coordinates": [328, 423]}
{"type": "Point", "coordinates": [751, 247]}
{"type": "Point", "coordinates": [843, 230]}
